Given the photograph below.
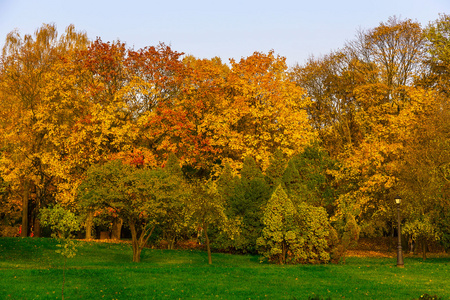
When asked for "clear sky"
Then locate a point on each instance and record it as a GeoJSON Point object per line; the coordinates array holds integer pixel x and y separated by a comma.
{"type": "Point", "coordinates": [228, 29]}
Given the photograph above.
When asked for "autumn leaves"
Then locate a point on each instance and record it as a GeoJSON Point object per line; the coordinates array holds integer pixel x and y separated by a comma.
{"type": "Point", "coordinates": [67, 104]}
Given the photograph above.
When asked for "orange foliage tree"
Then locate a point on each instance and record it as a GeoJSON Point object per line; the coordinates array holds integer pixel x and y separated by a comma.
{"type": "Point", "coordinates": [30, 73]}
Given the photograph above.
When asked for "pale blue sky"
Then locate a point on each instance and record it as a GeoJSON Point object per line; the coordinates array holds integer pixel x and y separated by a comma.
{"type": "Point", "coordinates": [228, 29]}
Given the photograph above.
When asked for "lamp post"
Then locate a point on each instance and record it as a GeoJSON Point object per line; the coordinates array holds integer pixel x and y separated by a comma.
{"type": "Point", "coordinates": [400, 264]}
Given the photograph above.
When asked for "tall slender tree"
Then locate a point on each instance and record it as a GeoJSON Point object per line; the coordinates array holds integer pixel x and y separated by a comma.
{"type": "Point", "coordinates": [30, 69]}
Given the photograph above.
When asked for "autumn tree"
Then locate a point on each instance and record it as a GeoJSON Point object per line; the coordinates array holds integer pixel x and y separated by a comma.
{"type": "Point", "coordinates": [438, 55]}
{"type": "Point", "coordinates": [363, 102]}
{"type": "Point", "coordinates": [105, 126]}
{"type": "Point", "coordinates": [396, 47]}
{"type": "Point", "coordinates": [265, 110]}
{"type": "Point", "coordinates": [424, 176]}
{"type": "Point", "coordinates": [222, 113]}
{"type": "Point", "coordinates": [329, 82]}
{"type": "Point", "coordinates": [438, 47]}
{"type": "Point", "coordinates": [30, 69]}
{"type": "Point", "coordinates": [180, 124]}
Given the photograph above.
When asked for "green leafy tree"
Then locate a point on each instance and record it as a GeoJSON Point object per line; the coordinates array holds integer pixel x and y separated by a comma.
{"type": "Point", "coordinates": [314, 229]}
{"type": "Point", "coordinates": [135, 194]}
{"type": "Point", "coordinates": [172, 222]}
{"type": "Point", "coordinates": [344, 233]}
{"type": "Point", "coordinates": [226, 183]}
{"type": "Point", "coordinates": [443, 223]}
{"type": "Point", "coordinates": [205, 208]}
{"type": "Point", "coordinates": [422, 229]}
{"type": "Point", "coordinates": [63, 223]}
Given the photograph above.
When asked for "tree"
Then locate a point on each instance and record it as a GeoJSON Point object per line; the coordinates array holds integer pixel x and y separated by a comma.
{"type": "Point", "coordinates": [276, 168]}
{"type": "Point", "coordinates": [315, 231]}
{"type": "Point", "coordinates": [10, 211]}
{"type": "Point", "coordinates": [294, 185]}
{"type": "Point", "coordinates": [424, 175]}
{"type": "Point", "coordinates": [293, 235]}
{"type": "Point", "coordinates": [422, 230]}
{"type": "Point", "coordinates": [247, 201]}
{"type": "Point", "coordinates": [223, 114]}
{"type": "Point", "coordinates": [206, 207]}
{"type": "Point", "coordinates": [63, 223]}
{"type": "Point", "coordinates": [396, 47]}
{"type": "Point", "coordinates": [308, 178]}
{"type": "Point", "coordinates": [107, 103]}
{"type": "Point", "coordinates": [183, 124]}
{"type": "Point", "coordinates": [330, 83]}
{"type": "Point", "coordinates": [29, 71]}
{"type": "Point", "coordinates": [264, 112]}
{"type": "Point", "coordinates": [279, 227]}
{"type": "Point", "coordinates": [438, 58]}
{"type": "Point", "coordinates": [172, 223]}
{"type": "Point", "coordinates": [364, 102]}
{"type": "Point", "coordinates": [136, 194]}
{"type": "Point", "coordinates": [227, 181]}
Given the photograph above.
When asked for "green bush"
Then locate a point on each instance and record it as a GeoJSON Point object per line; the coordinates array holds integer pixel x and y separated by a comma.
{"type": "Point", "coordinates": [61, 221]}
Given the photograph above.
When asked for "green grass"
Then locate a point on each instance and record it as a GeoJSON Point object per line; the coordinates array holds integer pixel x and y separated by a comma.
{"type": "Point", "coordinates": [30, 269]}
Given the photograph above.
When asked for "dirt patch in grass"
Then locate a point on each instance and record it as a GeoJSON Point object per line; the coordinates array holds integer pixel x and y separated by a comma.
{"type": "Point", "coordinates": [387, 247]}
{"type": "Point", "coordinates": [369, 253]}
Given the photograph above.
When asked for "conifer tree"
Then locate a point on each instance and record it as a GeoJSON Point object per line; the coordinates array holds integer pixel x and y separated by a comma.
{"type": "Point", "coordinates": [293, 183]}
{"type": "Point", "coordinates": [276, 168]}
{"type": "Point", "coordinates": [251, 193]}
{"type": "Point", "coordinates": [279, 227]}
{"type": "Point", "coordinates": [294, 234]}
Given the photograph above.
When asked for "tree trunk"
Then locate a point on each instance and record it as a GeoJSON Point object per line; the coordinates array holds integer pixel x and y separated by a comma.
{"type": "Point", "coordinates": [283, 253]}
{"type": "Point", "coordinates": [170, 238]}
{"type": "Point", "coordinates": [136, 252]}
{"type": "Point", "coordinates": [116, 229]}
{"type": "Point", "coordinates": [424, 249]}
{"type": "Point", "coordinates": [135, 243]}
{"type": "Point", "coordinates": [25, 202]}
{"type": "Point", "coordinates": [89, 224]}
{"type": "Point", "coordinates": [171, 243]}
{"type": "Point", "coordinates": [37, 227]}
{"type": "Point", "coordinates": [208, 248]}
{"type": "Point", "coordinates": [138, 242]}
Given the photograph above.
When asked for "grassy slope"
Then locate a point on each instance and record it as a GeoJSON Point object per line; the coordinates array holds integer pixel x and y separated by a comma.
{"type": "Point", "coordinates": [30, 269]}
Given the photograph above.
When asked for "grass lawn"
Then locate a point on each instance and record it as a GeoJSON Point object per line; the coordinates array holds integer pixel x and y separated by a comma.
{"type": "Point", "coordinates": [30, 269]}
